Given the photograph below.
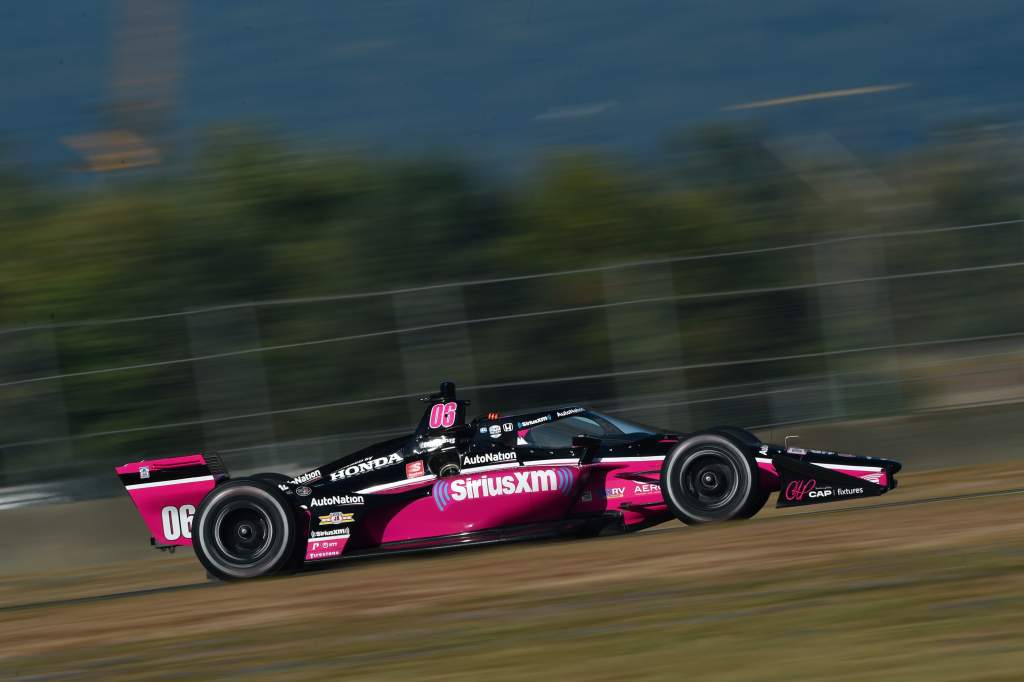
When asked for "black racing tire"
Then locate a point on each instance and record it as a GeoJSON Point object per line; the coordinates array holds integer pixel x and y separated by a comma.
{"type": "Point", "coordinates": [709, 478]}
{"type": "Point", "coordinates": [276, 479]}
{"type": "Point", "coordinates": [736, 433]}
{"type": "Point", "coordinates": [753, 444]}
{"type": "Point", "coordinates": [244, 529]}
{"type": "Point", "coordinates": [757, 501]}
{"type": "Point", "coordinates": [271, 477]}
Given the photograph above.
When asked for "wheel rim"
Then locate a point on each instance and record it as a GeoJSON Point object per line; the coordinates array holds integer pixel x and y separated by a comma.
{"type": "Point", "coordinates": [243, 532]}
{"type": "Point", "coordinates": [709, 480]}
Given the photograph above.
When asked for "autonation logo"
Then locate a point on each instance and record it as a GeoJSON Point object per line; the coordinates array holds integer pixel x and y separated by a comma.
{"type": "Point", "coordinates": [489, 458]}
{"type": "Point", "coordinates": [446, 492]}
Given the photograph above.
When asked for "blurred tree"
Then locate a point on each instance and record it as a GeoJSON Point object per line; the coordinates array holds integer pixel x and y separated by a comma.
{"type": "Point", "coordinates": [251, 217]}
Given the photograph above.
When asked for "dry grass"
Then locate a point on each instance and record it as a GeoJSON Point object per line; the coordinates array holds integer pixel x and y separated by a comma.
{"type": "Point", "coordinates": [929, 592]}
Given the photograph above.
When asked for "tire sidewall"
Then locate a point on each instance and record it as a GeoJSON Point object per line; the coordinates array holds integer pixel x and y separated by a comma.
{"type": "Point", "coordinates": [282, 521]}
{"type": "Point", "coordinates": [746, 471]}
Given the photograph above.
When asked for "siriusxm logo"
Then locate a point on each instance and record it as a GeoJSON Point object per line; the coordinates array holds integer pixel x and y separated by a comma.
{"type": "Point", "coordinates": [533, 422]}
{"type": "Point", "coordinates": [338, 532]}
{"type": "Point", "coordinates": [336, 500]}
{"type": "Point", "coordinates": [489, 458]}
{"type": "Point", "coordinates": [518, 483]}
{"type": "Point", "coordinates": [366, 467]}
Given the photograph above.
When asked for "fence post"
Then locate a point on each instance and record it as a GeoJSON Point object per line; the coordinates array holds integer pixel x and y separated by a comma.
{"type": "Point", "coordinates": [32, 411]}
{"type": "Point", "coordinates": [645, 336]}
{"type": "Point", "coordinates": [856, 315]}
{"type": "Point", "coordinates": [233, 385]}
{"type": "Point", "coordinates": [853, 314]}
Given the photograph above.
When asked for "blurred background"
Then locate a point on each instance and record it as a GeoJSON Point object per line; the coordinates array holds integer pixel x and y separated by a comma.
{"type": "Point", "coordinates": [264, 230]}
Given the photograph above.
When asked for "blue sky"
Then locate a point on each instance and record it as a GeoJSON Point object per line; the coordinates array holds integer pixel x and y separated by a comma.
{"type": "Point", "coordinates": [502, 81]}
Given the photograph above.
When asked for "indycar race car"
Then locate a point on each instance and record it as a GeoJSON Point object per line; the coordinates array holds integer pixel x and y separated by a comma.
{"type": "Point", "coordinates": [566, 471]}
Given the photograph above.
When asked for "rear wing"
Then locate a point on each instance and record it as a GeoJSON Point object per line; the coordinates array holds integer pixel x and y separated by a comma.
{"type": "Point", "coordinates": [167, 492]}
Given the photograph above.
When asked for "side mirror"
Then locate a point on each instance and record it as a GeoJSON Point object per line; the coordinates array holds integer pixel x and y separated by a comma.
{"type": "Point", "coordinates": [588, 444]}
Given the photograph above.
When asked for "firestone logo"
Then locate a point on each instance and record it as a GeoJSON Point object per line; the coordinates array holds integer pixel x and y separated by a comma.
{"type": "Point", "coordinates": [366, 467]}
{"type": "Point", "coordinates": [519, 483]}
{"type": "Point", "coordinates": [324, 549]}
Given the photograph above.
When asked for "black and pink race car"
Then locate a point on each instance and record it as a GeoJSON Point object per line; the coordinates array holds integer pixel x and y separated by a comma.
{"type": "Point", "coordinates": [562, 472]}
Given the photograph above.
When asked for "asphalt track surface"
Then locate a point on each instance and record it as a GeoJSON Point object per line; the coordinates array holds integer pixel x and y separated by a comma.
{"type": "Point", "coordinates": [789, 516]}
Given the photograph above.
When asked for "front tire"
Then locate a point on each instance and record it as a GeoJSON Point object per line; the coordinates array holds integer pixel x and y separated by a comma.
{"type": "Point", "coordinates": [710, 478]}
{"type": "Point", "coordinates": [244, 529]}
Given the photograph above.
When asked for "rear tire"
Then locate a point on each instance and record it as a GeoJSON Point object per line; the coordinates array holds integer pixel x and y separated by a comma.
{"type": "Point", "coordinates": [244, 529]}
{"type": "Point", "coordinates": [710, 478]}
{"type": "Point", "coordinates": [271, 477]}
{"type": "Point", "coordinates": [296, 560]}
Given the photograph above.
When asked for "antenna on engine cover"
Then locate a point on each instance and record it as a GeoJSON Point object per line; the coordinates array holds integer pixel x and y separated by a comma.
{"type": "Point", "coordinates": [448, 390]}
{"type": "Point", "coordinates": [447, 393]}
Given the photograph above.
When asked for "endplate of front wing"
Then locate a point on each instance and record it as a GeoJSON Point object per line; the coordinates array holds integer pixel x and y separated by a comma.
{"type": "Point", "coordinates": [802, 483]}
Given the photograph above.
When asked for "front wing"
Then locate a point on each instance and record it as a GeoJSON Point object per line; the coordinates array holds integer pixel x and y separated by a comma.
{"type": "Point", "coordinates": [816, 476]}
